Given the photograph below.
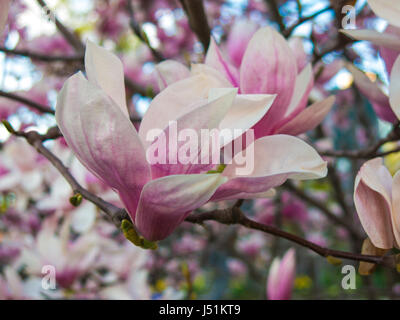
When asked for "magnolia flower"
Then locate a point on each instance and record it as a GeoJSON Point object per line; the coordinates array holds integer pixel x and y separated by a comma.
{"type": "Point", "coordinates": [281, 277]}
{"type": "Point", "coordinates": [268, 66]}
{"type": "Point", "coordinates": [377, 200]}
{"type": "Point", "coordinates": [94, 120]}
{"type": "Point", "coordinates": [22, 170]}
{"type": "Point", "coordinates": [388, 41]}
{"type": "Point", "coordinates": [70, 259]}
{"type": "Point", "coordinates": [13, 287]}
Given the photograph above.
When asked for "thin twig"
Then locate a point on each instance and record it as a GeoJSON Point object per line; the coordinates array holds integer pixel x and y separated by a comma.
{"type": "Point", "coordinates": [287, 32]}
{"type": "Point", "coordinates": [228, 216]}
{"type": "Point", "coordinates": [235, 215]}
{"type": "Point", "coordinates": [41, 56]}
{"type": "Point", "coordinates": [370, 152]}
{"type": "Point", "coordinates": [27, 102]}
{"type": "Point", "coordinates": [136, 28]}
{"type": "Point", "coordinates": [195, 12]}
{"type": "Point", "coordinates": [274, 9]}
{"type": "Point", "coordinates": [72, 39]}
{"type": "Point", "coordinates": [36, 140]}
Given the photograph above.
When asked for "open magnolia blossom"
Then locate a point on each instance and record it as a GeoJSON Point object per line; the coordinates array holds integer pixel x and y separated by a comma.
{"type": "Point", "coordinates": [93, 117]}
{"type": "Point", "coordinates": [281, 277]}
{"type": "Point", "coordinates": [69, 259]}
{"type": "Point", "coordinates": [267, 66]}
{"type": "Point", "coordinates": [387, 41]}
{"type": "Point", "coordinates": [377, 200]}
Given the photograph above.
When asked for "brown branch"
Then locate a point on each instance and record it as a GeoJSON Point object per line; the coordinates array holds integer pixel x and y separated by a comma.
{"type": "Point", "coordinates": [274, 8]}
{"type": "Point", "coordinates": [195, 12]}
{"type": "Point", "coordinates": [27, 102]}
{"type": "Point", "coordinates": [77, 44]}
{"type": "Point", "coordinates": [41, 56]}
{"type": "Point", "coordinates": [36, 140]}
{"type": "Point", "coordinates": [370, 152]}
{"type": "Point", "coordinates": [339, 44]}
{"type": "Point", "coordinates": [136, 28]}
{"type": "Point", "coordinates": [72, 39]}
{"type": "Point", "coordinates": [235, 215]}
{"type": "Point", "coordinates": [228, 216]}
{"type": "Point", "coordinates": [287, 32]}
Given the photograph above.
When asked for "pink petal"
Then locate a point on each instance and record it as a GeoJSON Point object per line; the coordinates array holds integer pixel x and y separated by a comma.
{"type": "Point", "coordinates": [276, 159]}
{"type": "Point", "coordinates": [105, 70]}
{"type": "Point", "coordinates": [304, 85]}
{"type": "Point", "coordinates": [176, 100]}
{"type": "Point", "coordinates": [388, 10]}
{"type": "Point", "coordinates": [387, 54]}
{"type": "Point", "coordinates": [238, 38]}
{"type": "Point", "coordinates": [378, 99]}
{"type": "Point", "coordinates": [102, 138]}
{"type": "Point", "coordinates": [246, 111]}
{"type": "Point", "coordinates": [296, 43]}
{"type": "Point", "coordinates": [269, 66]}
{"type": "Point", "coordinates": [380, 39]}
{"type": "Point", "coordinates": [372, 198]}
{"type": "Point", "coordinates": [166, 202]}
{"type": "Point", "coordinates": [396, 207]}
{"type": "Point", "coordinates": [170, 71]}
{"type": "Point", "coordinates": [281, 277]}
{"type": "Point", "coordinates": [215, 60]}
{"type": "Point", "coordinates": [308, 119]}
{"type": "Point", "coordinates": [207, 116]}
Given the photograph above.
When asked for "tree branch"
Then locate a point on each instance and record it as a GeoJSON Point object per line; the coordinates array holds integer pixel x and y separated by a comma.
{"type": "Point", "coordinates": [273, 7]}
{"type": "Point", "coordinates": [195, 12]}
{"type": "Point", "coordinates": [370, 152]}
{"type": "Point", "coordinates": [235, 215]}
{"type": "Point", "coordinates": [27, 102]}
{"type": "Point", "coordinates": [72, 39]}
{"type": "Point", "coordinates": [140, 33]}
{"type": "Point", "coordinates": [36, 140]}
{"type": "Point", "coordinates": [228, 216]}
{"type": "Point", "coordinates": [40, 56]}
{"type": "Point", "coordinates": [287, 32]}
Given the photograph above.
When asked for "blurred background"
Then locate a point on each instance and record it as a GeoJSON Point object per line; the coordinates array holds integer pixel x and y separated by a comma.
{"type": "Point", "coordinates": [39, 226]}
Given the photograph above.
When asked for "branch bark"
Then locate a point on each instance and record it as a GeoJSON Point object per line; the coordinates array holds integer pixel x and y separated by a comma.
{"type": "Point", "coordinates": [115, 214]}
{"type": "Point", "coordinates": [27, 102]}
{"type": "Point", "coordinates": [235, 215]}
{"type": "Point", "coordinates": [228, 216]}
{"type": "Point", "coordinates": [136, 28]}
{"type": "Point", "coordinates": [195, 12]}
{"type": "Point", "coordinates": [370, 152]}
{"type": "Point", "coordinates": [41, 56]}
